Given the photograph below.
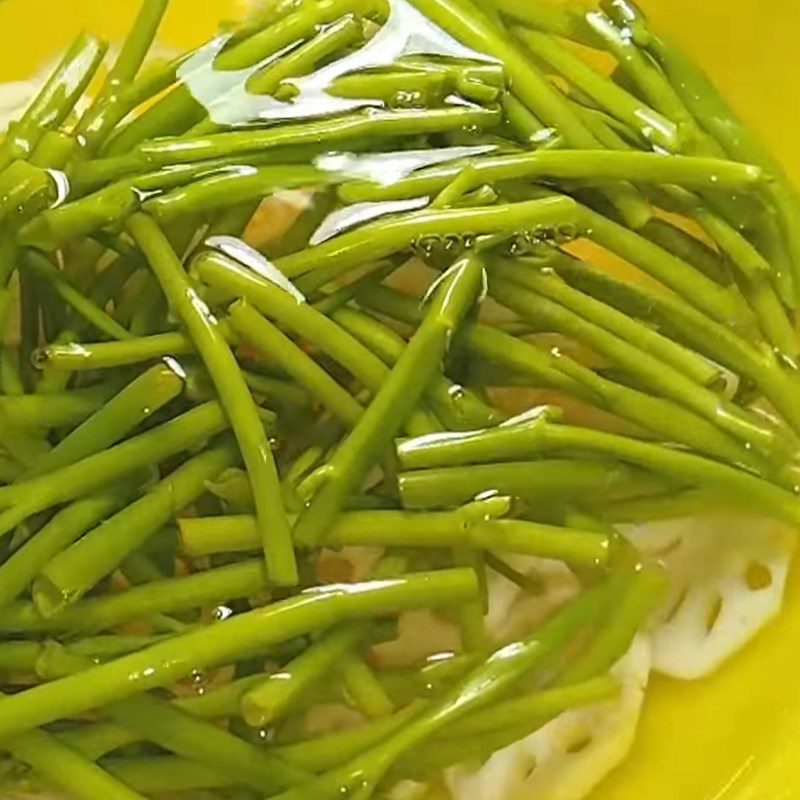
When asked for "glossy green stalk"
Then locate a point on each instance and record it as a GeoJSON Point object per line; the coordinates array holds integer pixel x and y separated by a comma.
{"type": "Point", "coordinates": [651, 83]}
{"type": "Point", "coordinates": [234, 394]}
{"type": "Point", "coordinates": [37, 494]}
{"type": "Point", "coordinates": [540, 436]}
{"type": "Point", "coordinates": [525, 126]}
{"type": "Point", "coordinates": [180, 732]}
{"type": "Point", "coordinates": [237, 637]}
{"type": "Point", "coordinates": [548, 284]}
{"type": "Point", "coordinates": [21, 656]}
{"type": "Point", "coordinates": [297, 236]}
{"type": "Point", "coordinates": [658, 376]}
{"type": "Point", "coordinates": [123, 413]}
{"type": "Point", "coordinates": [687, 248]}
{"type": "Point", "coordinates": [379, 239]}
{"type": "Point", "coordinates": [559, 371]}
{"type": "Point", "coordinates": [560, 19]}
{"type": "Point", "coordinates": [363, 688]}
{"type": "Point", "coordinates": [273, 699]}
{"type": "Point", "coordinates": [473, 26]}
{"type": "Point", "coordinates": [161, 153]}
{"type": "Point", "coordinates": [453, 298]}
{"type": "Point", "coordinates": [56, 98]}
{"type": "Point", "coordinates": [97, 740]}
{"type": "Point", "coordinates": [685, 324]}
{"type": "Point", "coordinates": [567, 165]}
{"type": "Point", "coordinates": [47, 273]}
{"type": "Point", "coordinates": [26, 411]}
{"type": "Point", "coordinates": [231, 188]}
{"type": "Point", "coordinates": [473, 526]}
{"type": "Point", "coordinates": [95, 125]}
{"type": "Point", "coordinates": [722, 304]}
{"type": "Point", "coordinates": [627, 616]}
{"type": "Point", "coordinates": [338, 35]}
{"type": "Point", "coordinates": [273, 300]}
{"type": "Point", "coordinates": [178, 110]}
{"type": "Point", "coordinates": [275, 347]}
{"type": "Point", "coordinates": [59, 533]}
{"type": "Point", "coordinates": [488, 682]}
{"type": "Point", "coordinates": [650, 124]}
{"type": "Point", "coordinates": [542, 480]}
{"type": "Point", "coordinates": [277, 391]}
{"type": "Point", "coordinates": [104, 355]}
{"type": "Point", "coordinates": [73, 572]}
{"type": "Point", "coordinates": [63, 767]}
{"type": "Point", "coordinates": [207, 588]}
{"type": "Point", "coordinates": [672, 505]}
{"type": "Point", "coordinates": [456, 405]}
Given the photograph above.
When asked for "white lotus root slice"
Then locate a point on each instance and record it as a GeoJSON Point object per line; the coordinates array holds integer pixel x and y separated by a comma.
{"type": "Point", "coordinates": [727, 578]}
{"type": "Point", "coordinates": [571, 754]}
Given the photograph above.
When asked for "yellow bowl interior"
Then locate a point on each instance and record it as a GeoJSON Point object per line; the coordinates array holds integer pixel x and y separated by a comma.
{"type": "Point", "coordinates": [735, 736]}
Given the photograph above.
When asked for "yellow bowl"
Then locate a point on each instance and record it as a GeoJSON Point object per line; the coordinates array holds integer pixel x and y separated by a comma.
{"type": "Point", "coordinates": [735, 736]}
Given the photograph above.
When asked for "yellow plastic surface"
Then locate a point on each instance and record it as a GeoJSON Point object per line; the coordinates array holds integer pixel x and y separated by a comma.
{"type": "Point", "coordinates": [735, 736]}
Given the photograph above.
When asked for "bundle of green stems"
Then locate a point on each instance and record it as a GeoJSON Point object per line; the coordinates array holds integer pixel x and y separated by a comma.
{"type": "Point", "coordinates": [205, 411]}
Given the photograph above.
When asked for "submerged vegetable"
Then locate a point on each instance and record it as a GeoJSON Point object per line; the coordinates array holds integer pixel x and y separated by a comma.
{"type": "Point", "coordinates": [321, 290]}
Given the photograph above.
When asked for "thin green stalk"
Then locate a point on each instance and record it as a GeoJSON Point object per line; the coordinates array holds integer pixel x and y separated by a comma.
{"type": "Point", "coordinates": [673, 505]}
{"type": "Point", "coordinates": [722, 304]}
{"type": "Point", "coordinates": [94, 315]}
{"type": "Point", "coordinates": [74, 571]}
{"type": "Point", "coordinates": [174, 729]}
{"type": "Point", "coordinates": [271, 700]}
{"type": "Point", "coordinates": [488, 682]}
{"type": "Point", "coordinates": [456, 405]}
{"type": "Point", "coordinates": [37, 494]}
{"type": "Point", "coordinates": [473, 526]}
{"type": "Point", "coordinates": [95, 124]}
{"type": "Point", "coordinates": [297, 236]}
{"type": "Point", "coordinates": [275, 346]}
{"type": "Point", "coordinates": [525, 126]}
{"type": "Point", "coordinates": [56, 98]}
{"type": "Point", "coordinates": [105, 355]}
{"type": "Point", "coordinates": [158, 774]}
{"type": "Point", "coordinates": [539, 436]}
{"type": "Point", "coordinates": [687, 248]}
{"type": "Point", "coordinates": [396, 398]}
{"type": "Point", "coordinates": [340, 34]}
{"type": "Point", "coordinates": [650, 124]}
{"type": "Point", "coordinates": [559, 480]}
{"type": "Point", "coordinates": [123, 413]}
{"type": "Point", "coordinates": [658, 376]}
{"type": "Point", "coordinates": [380, 239]}
{"type": "Point", "coordinates": [208, 588]}
{"type": "Point", "coordinates": [548, 284]}
{"type": "Point", "coordinates": [627, 616]}
{"type": "Point", "coordinates": [179, 109]}
{"type": "Point", "coordinates": [155, 154]}
{"type": "Point", "coordinates": [231, 188]}
{"type": "Point", "coordinates": [567, 165]}
{"type": "Point", "coordinates": [46, 411]}
{"type": "Point", "coordinates": [59, 533]}
{"type": "Point", "coordinates": [273, 299]}
{"type": "Point", "coordinates": [558, 371]}
{"type": "Point", "coordinates": [685, 324]}
{"type": "Point", "coordinates": [234, 395]}
{"type": "Point", "coordinates": [560, 19]}
{"type": "Point", "coordinates": [237, 637]}
{"type": "Point", "coordinates": [63, 767]}
{"type": "Point", "coordinates": [363, 688]}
